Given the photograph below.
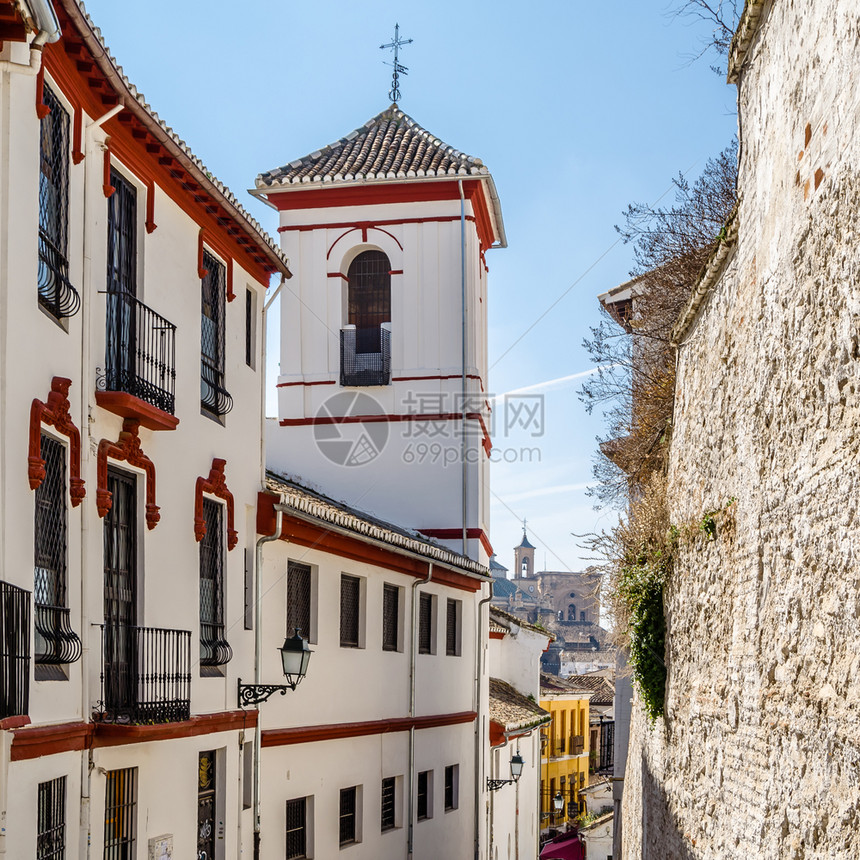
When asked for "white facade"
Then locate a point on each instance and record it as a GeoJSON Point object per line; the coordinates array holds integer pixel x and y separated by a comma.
{"type": "Point", "coordinates": [168, 709]}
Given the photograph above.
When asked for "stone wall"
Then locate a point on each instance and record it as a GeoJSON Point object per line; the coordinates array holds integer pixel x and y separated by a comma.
{"type": "Point", "coordinates": [759, 753]}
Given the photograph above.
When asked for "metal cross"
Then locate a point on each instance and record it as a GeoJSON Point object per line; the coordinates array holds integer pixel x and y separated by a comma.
{"type": "Point", "coordinates": [395, 45]}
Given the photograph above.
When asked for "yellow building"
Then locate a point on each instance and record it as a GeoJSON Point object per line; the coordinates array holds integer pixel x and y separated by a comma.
{"type": "Point", "coordinates": [565, 748]}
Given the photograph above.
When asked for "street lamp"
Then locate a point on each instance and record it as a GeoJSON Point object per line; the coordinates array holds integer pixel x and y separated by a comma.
{"type": "Point", "coordinates": [558, 804]}
{"type": "Point", "coordinates": [516, 772]}
{"type": "Point", "coordinates": [295, 656]}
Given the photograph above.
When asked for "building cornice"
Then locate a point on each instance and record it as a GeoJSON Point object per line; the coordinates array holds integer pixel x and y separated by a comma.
{"type": "Point", "coordinates": [748, 26]}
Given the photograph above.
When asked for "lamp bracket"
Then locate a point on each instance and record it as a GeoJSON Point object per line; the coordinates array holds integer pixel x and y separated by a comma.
{"type": "Point", "coordinates": [496, 784]}
{"type": "Point", "coordinates": [254, 694]}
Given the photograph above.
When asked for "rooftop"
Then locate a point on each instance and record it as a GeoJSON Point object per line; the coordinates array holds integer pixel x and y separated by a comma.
{"type": "Point", "coordinates": [391, 145]}
{"type": "Point", "coordinates": [506, 619]}
{"type": "Point", "coordinates": [308, 504]}
{"type": "Point", "coordinates": [554, 685]}
{"type": "Point", "coordinates": [513, 710]}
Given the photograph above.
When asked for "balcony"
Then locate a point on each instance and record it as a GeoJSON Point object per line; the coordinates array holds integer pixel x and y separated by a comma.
{"type": "Point", "coordinates": [140, 364]}
{"type": "Point", "coordinates": [14, 651]}
{"type": "Point", "coordinates": [56, 642]}
{"type": "Point", "coordinates": [365, 355]}
{"type": "Point", "coordinates": [146, 675]}
{"type": "Point", "coordinates": [214, 397]}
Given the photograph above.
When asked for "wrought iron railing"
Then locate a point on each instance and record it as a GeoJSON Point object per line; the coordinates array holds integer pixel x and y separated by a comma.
{"type": "Point", "coordinates": [215, 650]}
{"type": "Point", "coordinates": [140, 353]}
{"type": "Point", "coordinates": [365, 368]}
{"type": "Point", "coordinates": [146, 675]}
{"type": "Point", "coordinates": [56, 293]}
{"type": "Point", "coordinates": [56, 642]}
{"type": "Point", "coordinates": [14, 650]}
{"type": "Point", "coordinates": [213, 395]}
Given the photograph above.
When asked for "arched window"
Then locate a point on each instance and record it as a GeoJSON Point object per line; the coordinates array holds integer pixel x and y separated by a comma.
{"type": "Point", "coordinates": [571, 612]}
{"type": "Point", "coordinates": [582, 616]}
{"type": "Point", "coordinates": [369, 300]}
{"type": "Point", "coordinates": [524, 567]}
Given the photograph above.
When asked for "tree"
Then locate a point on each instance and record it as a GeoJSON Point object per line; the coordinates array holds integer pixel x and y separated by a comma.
{"type": "Point", "coordinates": [722, 16]}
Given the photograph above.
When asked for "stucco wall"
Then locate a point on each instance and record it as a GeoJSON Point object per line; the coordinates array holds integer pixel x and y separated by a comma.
{"type": "Point", "coordinates": [759, 754]}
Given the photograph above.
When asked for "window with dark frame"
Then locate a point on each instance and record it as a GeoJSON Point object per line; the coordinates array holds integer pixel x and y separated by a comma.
{"type": "Point", "coordinates": [347, 815]}
{"type": "Point", "coordinates": [390, 617]}
{"type": "Point", "coordinates": [51, 821]}
{"type": "Point", "coordinates": [452, 772]}
{"type": "Point", "coordinates": [214, 649]}
{"type": "Point", "coordinates": [214, 397]}
{"type": "Point", "coordinates": [350, 600]}
{"type": "Point", "coordinates": [425, 623]}
{"type": "Point", "coordinates": [297, 837]}
{"type": "Point", "coordinates": [207, 803]}
{"type": "Point", "coordinates": [56, 293]}
{"type": "Point", "coordinates": [299, 599]}
{"type": "Point", "coordinates": [120, 814]}
{"type": "Point", "coordinates": [249, 328]}
{"type": "Point", "coordinates": [452, 628]}
{"type": "Point", "coordinates": [389, 809]}
{"type": "Point", "coordinates": [422, 801]}
{"type": "Point", "coordinates": [55, 642]}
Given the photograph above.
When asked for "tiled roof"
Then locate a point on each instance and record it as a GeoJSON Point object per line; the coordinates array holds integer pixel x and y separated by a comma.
{"type": "Point", "coordinates": [603, 688]}
{"type": "Point", "coordinates": [512, 709]}
{"type": "Point", "coordinates": [495, 627]}
{"type": "Point", "coordinates": [309, 504]}
{"type": "Point", "coordinates": [503, 587]}
{"type": "Point", "coordinates": [134, 101]}
{"type": "Point", "coordinates": [553, 685]}
{"type": "Point", "coordinates": [495, 564]}
{"type": "Point", "coordinates": [524, 543]}
{"type": "Point", "coordinates": [389, 146]}
{"type": "Point", "coordinates": [505, 619]}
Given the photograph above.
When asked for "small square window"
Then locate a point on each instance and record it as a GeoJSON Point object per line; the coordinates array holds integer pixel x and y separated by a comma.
{"type": "Point", "coordinates": [349, 816]}
{"type": "Point", "coordinates": [452, 787]}
{"type": "Point", "coordinates": [350, 611]}
{"type": "Point", "coordinates": [424, 799]}
{"type": "Point", "coordinates": [297, 828]}
{"type": "Point", "coordinates": [390, 617]}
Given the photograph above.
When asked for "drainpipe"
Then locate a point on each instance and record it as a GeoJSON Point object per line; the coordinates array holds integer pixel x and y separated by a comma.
{"type": "Point", "coordinates": [49, 31]}
{"type": "Point", "coordinates": [413, 647]}
{"type": "Point", "coordinates": [463, 381]}
{"type": "Point", "coordinates": [258, 664]}
{"type": "Point", "coordinates": [479, 735]}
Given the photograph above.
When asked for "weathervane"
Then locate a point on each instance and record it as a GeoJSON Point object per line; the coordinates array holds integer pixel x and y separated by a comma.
{"type": "Point", "coordinates": [395, 45]}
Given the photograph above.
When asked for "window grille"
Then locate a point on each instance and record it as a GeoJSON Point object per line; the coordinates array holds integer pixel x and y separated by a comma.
{"type": "Point", "coordinates": [350, 596]}
{"type": "Point", "coordinates": [422, 804]}
{"type": "Point", "coordinates": [425, 623]}
{"type": "Point", "coordinates": [390, 617]}
{"type": "Point", "coordinates": [451, 773]}
{"type": "Point", "coordinates": [297, 828]}
{"type": "Point", "coordinates": [55, 642]}
{"type": "Point", "coordinates": [56, 293]}
{"type": "Point", "coordinates": [14, 650]}
{"type": "Point", "coordinates": [249, 328]}
{"type": "Point", "coordinates": [214, 649]}
{"type": "Point", "coordinates": [51, 820]}
{"type": "Point", "coordinates": [122, 237]}
{"type": "Point", "coordinates": [452, 643]}
{"type": "Point", "coordinates": [389, 786]}
{"type": "Point", "coordinates": [366, 345]}
{"type": "Point", "coordinates": [347, 815]}
{"type": "Point", "coordinates": [120, 814]}
{"type": "Point", "coordinates": [299, 599]}
{"type": "Point", "coordinates": [369, 298]}
{"type": "Point", "coordinates": [213, 396]}
{"type": "Point", "coordinates": [206, 804]}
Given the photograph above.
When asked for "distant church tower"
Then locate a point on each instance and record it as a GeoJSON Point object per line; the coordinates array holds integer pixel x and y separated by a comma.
{"type": "Point", "coordinates": [524, 558]}
{"type": "Point", "coordinates": [382, 389]}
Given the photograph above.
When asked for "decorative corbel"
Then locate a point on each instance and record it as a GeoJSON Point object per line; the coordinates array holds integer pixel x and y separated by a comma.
{"type": "Point", "coordinates": [126, 449]}
{"type": "Point", "coordinates": [55, 413]}
{"type": "Point", "coordinates": [215, 485]}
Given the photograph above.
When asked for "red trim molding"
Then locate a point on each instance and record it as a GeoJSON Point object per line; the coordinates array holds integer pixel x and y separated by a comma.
{"type": "Point", "coordinates": [215, 485]}
{"type": "Point", "coordinates": [364, 226]}
{"type": "Point", "coordinates": [317, 536]}
{"type": "Point", "coordinates": [339, 731]}
{"type": "Point", "coordinates": [457, 534]}
{"type": "Point", "coordinates": [230, 294]}
{"type": "Point", "coordinates": [17, 722]}
{"type": "Point", "coordinates": [201, 272]}
{"type": "Point", "coordinates": [106, 186]}
{"type": "Point", "coordinates": [496, 634]}
{"type": "Point", "coordinates": [150, 207]}
{"type": "Point", "coordinates": [388, 222]}
{"type": "Point", "coordinates": [319, 382]}
{"type": "Point", "coordinates": [127, 449]}
{"type": "Point", "coordinates": [128, 406]}
{"type": "Point", "coordinates": [40, 741]}
{"type": "Point", "coordinates": [42, 110]}
{"type": "Point", "coordinates": [55, 413]}
{"type": "Point", "coordinates": [337, 275]}
{"type": "Point", "coordinates": [434, 378]}
{"type": "Point", "coordinates": [78, 154]}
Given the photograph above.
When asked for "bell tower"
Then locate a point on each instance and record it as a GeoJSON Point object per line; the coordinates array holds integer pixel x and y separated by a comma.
{"type": "Point", "coordinates": [382, 393]}
{"type": "Point", "coordinates": [524, 558]}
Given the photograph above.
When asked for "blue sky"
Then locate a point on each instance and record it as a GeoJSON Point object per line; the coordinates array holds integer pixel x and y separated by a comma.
{"type": "Point", "coordinates": [578, 108]}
